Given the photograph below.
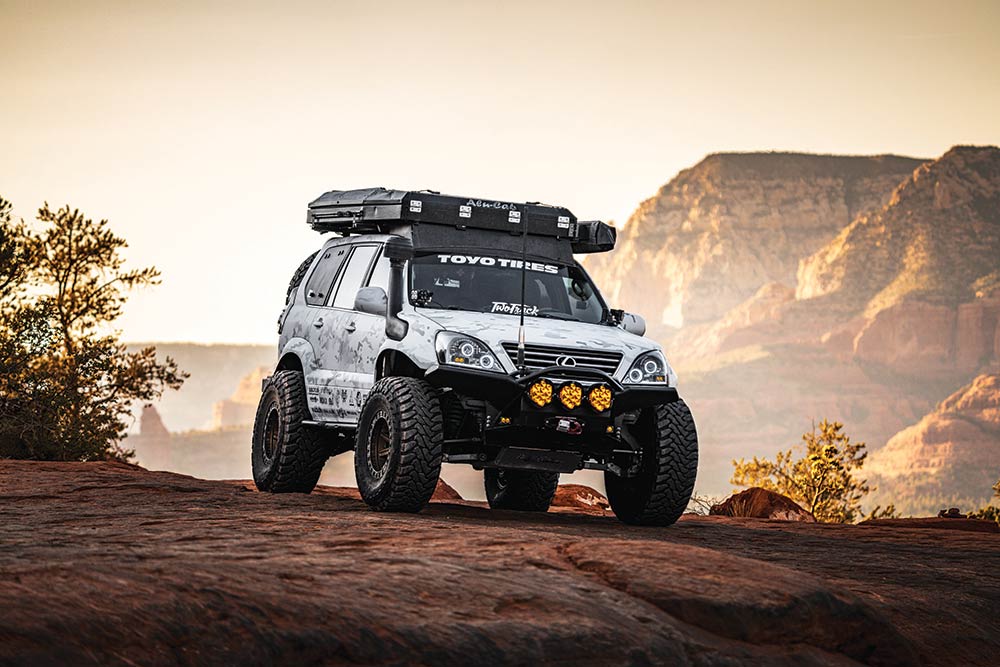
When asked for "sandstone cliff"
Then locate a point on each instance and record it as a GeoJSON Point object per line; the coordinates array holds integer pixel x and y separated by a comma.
{"type": "Point", "coordinates": [241, 408]}
{"type": "Point", "coordinates": [950, 457]}
{"type": "Point", "coordinates": [722, 229]}
{"type": "Point", "coordinates": [937, 240]}
{"type": "Point", "coordinates": [801, 287]}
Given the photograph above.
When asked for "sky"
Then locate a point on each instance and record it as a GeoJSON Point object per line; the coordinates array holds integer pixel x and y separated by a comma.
{"type": "Point", "coordinates": [202, 129]}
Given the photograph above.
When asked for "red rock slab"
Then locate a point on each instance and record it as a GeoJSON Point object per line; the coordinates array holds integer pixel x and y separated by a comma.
{"type": "Point", "coordinates": [937, 523]}
{"type": "Point", "coordinates": [111, 564]}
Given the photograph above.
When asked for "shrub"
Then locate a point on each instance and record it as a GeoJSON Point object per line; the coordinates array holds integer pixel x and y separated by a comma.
{"type": "Point", "coordinates": [823, 481]}
{"type": "Point", "coordinates": [67, 383]}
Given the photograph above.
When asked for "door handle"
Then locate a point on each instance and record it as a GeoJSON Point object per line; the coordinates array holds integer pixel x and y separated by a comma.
{"type": "Point", "coordinates": [318, 323]}
{"type": "Point", "coordinates": [351, 327]}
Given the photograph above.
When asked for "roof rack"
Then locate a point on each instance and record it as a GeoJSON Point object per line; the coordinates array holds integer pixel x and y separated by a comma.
{"type": "Point", "coordinates": [379, 210]}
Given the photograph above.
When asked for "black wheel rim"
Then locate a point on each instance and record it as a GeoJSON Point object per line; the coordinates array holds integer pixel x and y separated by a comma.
{"type": "Point", "coordinates": [272, 433]}
{"type": "Point", "coordinates": [379, 446]}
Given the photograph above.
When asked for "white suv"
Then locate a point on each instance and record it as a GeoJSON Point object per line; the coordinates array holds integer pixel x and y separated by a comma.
{"type": "Point", "coordinates": [436, 329]}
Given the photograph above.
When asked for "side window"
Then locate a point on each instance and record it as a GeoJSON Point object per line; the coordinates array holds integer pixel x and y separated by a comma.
{"type": "Point", "coordinates": [353, 275]}
{"type": "Point", "coordinates": [380, 274]}
{"type": "Point", "coordinates": [321, 280]}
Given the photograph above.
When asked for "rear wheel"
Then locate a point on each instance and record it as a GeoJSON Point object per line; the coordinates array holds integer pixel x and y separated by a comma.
{"type": "Point", "coordinates": [399, 445]}
{"type": "Point", "coordinates": [524, 490]}
{"type": "Point", "coordinates": [286, 456]}
{"type": "Point", "coordinates": [660, 492]}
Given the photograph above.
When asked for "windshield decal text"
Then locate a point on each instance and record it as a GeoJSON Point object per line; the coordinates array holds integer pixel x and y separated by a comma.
{"type": "Point", "coordinates": [513, 308]}
{"type": "Point", "coordinates": [502, 262]}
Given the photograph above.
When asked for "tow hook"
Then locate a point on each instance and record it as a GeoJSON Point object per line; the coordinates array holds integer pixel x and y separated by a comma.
{"type": "Point", "coordinates": [565, 425]}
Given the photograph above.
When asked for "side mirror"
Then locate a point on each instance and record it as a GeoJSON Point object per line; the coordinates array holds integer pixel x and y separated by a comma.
{"type": "Point", "coordinates": [634, 324]}
{"type": "Point", "coordinates": [371, 300]}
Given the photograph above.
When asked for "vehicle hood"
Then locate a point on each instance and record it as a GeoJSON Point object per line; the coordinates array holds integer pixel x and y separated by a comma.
{"type": "Point", "coordinates": [494, 329]}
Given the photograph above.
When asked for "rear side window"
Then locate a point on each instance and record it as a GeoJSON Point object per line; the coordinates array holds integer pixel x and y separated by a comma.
{"type": "Point", "coordinates": [380, 274]}
{"type": "Point", "coordinates": [321, 280]}
{"type": "Point", "coordinates": [354, 275]}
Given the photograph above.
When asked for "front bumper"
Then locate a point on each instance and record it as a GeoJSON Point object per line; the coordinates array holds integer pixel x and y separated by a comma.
{"type": "Point", "coordinates": [513, 432]}
{"type": "Point", "coordinates": [503, 391]}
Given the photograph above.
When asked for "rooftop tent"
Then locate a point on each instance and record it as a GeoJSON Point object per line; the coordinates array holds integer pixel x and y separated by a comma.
{"type": "Point", "coordinates": [445, 221]}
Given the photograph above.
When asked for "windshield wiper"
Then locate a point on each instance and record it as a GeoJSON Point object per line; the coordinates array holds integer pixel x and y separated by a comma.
{"type": "Point", "coordinates": [554, 316]}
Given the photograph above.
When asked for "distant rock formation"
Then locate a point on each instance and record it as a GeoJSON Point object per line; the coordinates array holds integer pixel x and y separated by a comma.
{"type": "Point", "coordinates": [239, 409]}
{"type": "Point", "coordinates": [719, 231]}
{"type": "Point", "coordinates": [951, 457]}
{"type": "Point", "coordinates": [151, 425]}
{"type": "Point", "coordinates": [215, 369]}
{"type": "Point", "coordinates": [937, 240]}
{"type": "Point", "coordinates": [787, 288]}
{"type": "Point", "coordinates": [758, 503]}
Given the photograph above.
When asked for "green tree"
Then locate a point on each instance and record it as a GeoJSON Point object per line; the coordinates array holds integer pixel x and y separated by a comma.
{"type": "Point", "coordinates": [67, 383]}
{"type": "Point", "coordinates": [823, 481]}
{"type": "Point", "coordinates": [990, 512]}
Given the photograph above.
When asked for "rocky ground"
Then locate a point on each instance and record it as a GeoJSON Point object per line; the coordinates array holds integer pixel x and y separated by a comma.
{"type": "Point", "coordinates": [111, 564]}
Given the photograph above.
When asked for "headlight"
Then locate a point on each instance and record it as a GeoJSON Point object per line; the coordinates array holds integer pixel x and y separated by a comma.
{"type": "Point", "coordinates": [461, 350]}
{"type": "Point", "coordinates": [650, 368]}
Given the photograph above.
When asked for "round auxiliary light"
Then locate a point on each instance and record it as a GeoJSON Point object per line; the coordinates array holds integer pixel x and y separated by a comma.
{"type": "Point", "coordinates": [571, 395]}
{"type": "Point", "coordinates": [650, 366]}
{"type": "Point", "coordinates": [467, 349]}
{"type": "Point", "coordinates": [540, 392]}
{"type": "Point", "coordinates": [486, 362]}
{"type": "Point", "coordinates": [635, 375]}
{"type": "Point", "coordinates": [599, 397]}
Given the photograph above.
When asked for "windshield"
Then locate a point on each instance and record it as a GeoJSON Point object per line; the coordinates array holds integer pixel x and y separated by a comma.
{"type": "Point", "coordinates": [486, 284]}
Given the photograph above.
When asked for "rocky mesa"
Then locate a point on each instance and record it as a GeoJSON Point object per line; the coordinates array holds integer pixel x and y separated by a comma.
{"type": "Point", "coordinates": [788, 288]}
{"type": "Point", "coordinates": [717, 232]}
{"type": "Point", "coordinates": [949, 458]}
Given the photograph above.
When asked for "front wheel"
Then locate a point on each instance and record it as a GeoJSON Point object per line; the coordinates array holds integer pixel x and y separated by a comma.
{"type": "Point", "coordinates": [524, 490]}
{"type": "Point", "coordinates": [399, 445]}
{"type": "Point", "coordinates": [660, 492]}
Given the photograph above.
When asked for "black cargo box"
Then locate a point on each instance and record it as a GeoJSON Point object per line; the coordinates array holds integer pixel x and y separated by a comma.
{"type": "Point", "coordinates": [375, 210]}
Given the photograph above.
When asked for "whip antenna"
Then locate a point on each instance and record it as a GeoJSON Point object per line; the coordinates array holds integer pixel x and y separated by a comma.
{"type": "Point", "coordinates": [524, 262]}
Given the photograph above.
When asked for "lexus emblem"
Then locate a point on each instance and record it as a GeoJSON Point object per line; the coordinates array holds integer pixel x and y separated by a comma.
{"type": "Point", "coordinates": [566, 360]}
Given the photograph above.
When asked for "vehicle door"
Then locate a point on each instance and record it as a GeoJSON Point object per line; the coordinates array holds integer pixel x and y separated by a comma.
{"type": "Point", "coordinates": [365, 336]}
{"type": "Point", "coordinates": [319, 287]}
{"type": "Point", "coordinates": [348, 338]}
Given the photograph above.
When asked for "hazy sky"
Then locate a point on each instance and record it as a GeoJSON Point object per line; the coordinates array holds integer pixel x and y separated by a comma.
{"type": "Point", "coordinates": [201, 130]}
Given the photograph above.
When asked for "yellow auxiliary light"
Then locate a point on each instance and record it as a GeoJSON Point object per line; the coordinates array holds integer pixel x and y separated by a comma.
{"type": "Point", "coordinates": [571, 395]}
{"type": "Point", "coordinates": [600, 397]}
{"type": "Point", "coordinates": [540, 392]}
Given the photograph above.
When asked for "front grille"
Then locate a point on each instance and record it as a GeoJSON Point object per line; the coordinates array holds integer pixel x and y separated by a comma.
{"type": "Point", "coordinates": [541, 356]}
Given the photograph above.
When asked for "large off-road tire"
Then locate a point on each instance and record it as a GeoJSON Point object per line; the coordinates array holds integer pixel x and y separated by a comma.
{"type": "Point", "coordinates": [299, 274]}
{"type": "Point", "coordinates": [523, 490]}
{"type": "Point", "coordinates": [660, 493]}
{"type": "Point", "coordinates": [399, 445]}
{"type": "Point", "coordinates": [287, 456]}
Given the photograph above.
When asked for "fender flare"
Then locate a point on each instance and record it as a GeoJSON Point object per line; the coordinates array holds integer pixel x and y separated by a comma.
{"type": "Point", "coordinates": [297, 355]}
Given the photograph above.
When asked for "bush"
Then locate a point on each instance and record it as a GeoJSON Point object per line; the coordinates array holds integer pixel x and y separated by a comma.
{"type": "Point", "coordinates": [990, 512]}
{"type": "Point", "coordinates": [822, 481]}
{"type": "Point", "coordinates": [67, 383]}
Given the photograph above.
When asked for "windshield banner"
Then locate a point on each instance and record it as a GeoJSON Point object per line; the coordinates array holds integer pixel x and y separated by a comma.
{"type": "Point", "coordinates": [502, 262]}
